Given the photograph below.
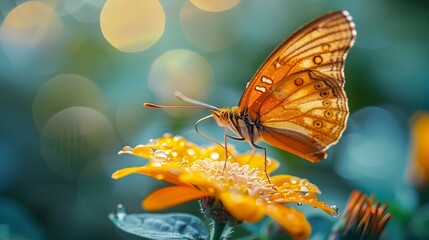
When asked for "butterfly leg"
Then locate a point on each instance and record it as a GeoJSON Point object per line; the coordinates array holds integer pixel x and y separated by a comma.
{"type": "Point", "coordinates": [225, 136]}
{"type": "Point", "coordinates": [265, 158]}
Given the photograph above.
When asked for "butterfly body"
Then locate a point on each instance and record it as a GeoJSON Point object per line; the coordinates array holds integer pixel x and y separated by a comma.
{"type": "Point", "coordinates": [239, 123]}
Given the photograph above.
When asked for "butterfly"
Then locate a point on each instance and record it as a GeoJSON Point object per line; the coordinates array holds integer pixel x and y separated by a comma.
{"type": "Point", "coordinates": [296, 100]}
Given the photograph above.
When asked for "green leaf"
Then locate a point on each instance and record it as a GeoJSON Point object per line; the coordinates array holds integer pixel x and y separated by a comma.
{"type": "Point", "coordinates": [161, 226]}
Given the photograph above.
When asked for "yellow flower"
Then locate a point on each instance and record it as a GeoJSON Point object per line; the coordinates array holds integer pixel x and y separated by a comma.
{"type": "Point", "coordinates": [239, 184]}
{"type": "Point", "coordinates": [419, 162]}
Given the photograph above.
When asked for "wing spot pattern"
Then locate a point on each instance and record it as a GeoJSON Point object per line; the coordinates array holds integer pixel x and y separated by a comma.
{"type": "Point", "coordinates": [328, 114]}
{"type": "Point", "coordinates": [266, 80]}
{"type": "Point", "coordinates": [318, 86]}
{"type": "Point", "coordinates": [260, 89]}
{"type": "Point", "coordinates": [298, 82]}
{"type": "Point", "coordinates": [317, 59]}
{"type": "Point", "coordinates": [317, 124]}
{"type": "Point", "coordinates": [326, 47]}
{"type": "Point", "coordinates": [326, 103]}
{"type": "Point", "coordinates": [324, 93]}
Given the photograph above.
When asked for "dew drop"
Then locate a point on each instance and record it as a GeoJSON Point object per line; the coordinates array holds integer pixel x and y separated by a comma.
{"type": "Point", "coordinates": [190, 151]}
{"type": "Point", "coordinates": [160, 155]}
{"type": "Point", "coordinates": [294, 180]}
{"type": "Point", "coordinates": [336, 209]}
{"type": "Point", "coordinates": [214, 155]}
{"type": "Point", "coordinates": [299, 204]}
{"type": "Point", "coordinates": [153, 142]}
{"type": "Point", "coordinates": [304, 188]}
{"type": "Point", "coordinates": [120, 213]}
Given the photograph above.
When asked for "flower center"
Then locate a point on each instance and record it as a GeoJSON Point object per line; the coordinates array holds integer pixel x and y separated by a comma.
{"type": "Point", "coordinates": [232, 177]}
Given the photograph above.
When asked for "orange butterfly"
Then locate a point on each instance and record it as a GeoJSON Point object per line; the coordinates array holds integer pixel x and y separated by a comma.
{"type": "Point", "coordinates": [296, 100]}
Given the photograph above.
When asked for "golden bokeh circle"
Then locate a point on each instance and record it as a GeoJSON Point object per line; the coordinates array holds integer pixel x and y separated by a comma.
{"type": "Point", "coordinates": [132, 25]}
{"type": "Point", "coordinates": [215, 6]}
{"type": "Point", "coordinates": [32, 35]}
{"type": "Point", "coordinates": [180, 70]}
{"type": "Point", "coordinates": [63, 91]}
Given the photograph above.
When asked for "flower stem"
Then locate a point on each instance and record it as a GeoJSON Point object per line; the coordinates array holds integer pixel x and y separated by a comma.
{"type": "Point", "coordinates": [216, 230]}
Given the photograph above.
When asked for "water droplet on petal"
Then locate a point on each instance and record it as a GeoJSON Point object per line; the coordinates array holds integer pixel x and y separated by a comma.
{"type": "Point", "coordinates": [294, 180]}
{"type": "Point", "coordinates": [214, 155]}
{"type": "Point", "coordinates": [190, 151]}
{"type": "Point", "coordinates": [304, 188]}
{"type": "Point", "coordinates": [160, 155]}
{"type": "Point", "coordinates": [126, 149]}
{"type": "Point", "coordinates": [299, 204]}
{"type": "Point", "coordinates": [152, 142]}
{"type": "Point", "coordinates": [120, 213]}
{"type": "Point", "coordinates": [336, 210]}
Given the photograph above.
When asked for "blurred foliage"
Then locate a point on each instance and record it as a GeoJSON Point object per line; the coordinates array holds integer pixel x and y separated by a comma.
{"type": "Point", "coordinates": [72, 85]}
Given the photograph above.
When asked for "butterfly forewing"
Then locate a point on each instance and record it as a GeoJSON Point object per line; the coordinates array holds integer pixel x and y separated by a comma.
{"type": "Point", "coordinates": [297, 95]}
{"type": "Point", "coordinates": [320, 45]}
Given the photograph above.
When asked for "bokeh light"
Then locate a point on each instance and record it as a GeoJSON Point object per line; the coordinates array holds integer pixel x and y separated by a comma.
{"type": "Point", "coordinates": [32, 36]}
{"type": "Point", "coordinates": [132, 25]}
{"type": "Point", "coordinates": [74, 75]}
{"type": "Point", "coordinates": [63, 91]}
{"type": "Point", "coordinates": [71, 138]}
{"type": "Point", "coordinates": [180, 70]}
{"type": "Point", "coordinates": [374, 139]}
{"type": "Point", "coordinates": [225, 27]}
{"type": "Point", "coordinates": [215, 6]}
{"type": "Point", "coordinates": [83, 10]}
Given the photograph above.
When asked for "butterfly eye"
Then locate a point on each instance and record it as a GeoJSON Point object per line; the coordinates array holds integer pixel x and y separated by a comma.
{"type": "Point", "coordinates": [225, 115]}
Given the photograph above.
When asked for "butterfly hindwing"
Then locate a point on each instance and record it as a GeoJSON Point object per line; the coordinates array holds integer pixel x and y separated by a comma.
{"type": "Point", "coordinates": [304, 114]}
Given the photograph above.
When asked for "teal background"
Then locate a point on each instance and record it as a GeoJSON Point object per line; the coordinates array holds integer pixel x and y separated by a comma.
{"type": "Point", "coordinates": [55, 179]}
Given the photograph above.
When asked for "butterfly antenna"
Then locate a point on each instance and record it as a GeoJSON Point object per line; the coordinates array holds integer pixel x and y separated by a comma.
{"type": "Point", "coordinates": [209, 138]}
{"type": "Point", "coordinates": [195, 103]}
{"type": "Point", "coordinates": [184, 98]}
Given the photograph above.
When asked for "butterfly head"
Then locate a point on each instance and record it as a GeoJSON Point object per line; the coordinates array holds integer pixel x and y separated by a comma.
{"type": "Point", "coordinates": [221, 116]}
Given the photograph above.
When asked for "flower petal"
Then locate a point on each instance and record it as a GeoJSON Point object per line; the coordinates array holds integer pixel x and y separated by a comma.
{"type": "Point", "coordinates": [293, 221]}
{"type": "Point", "coordinates": [140, 151]}
{"type": "Point", "coordinates": [242, 207]}
{"type": "Point", "coordinates": [171, 196]}
{"type": "Point", "coordinates": [165, 173]}
{"type": "Point", "coordinates": [286, 183]}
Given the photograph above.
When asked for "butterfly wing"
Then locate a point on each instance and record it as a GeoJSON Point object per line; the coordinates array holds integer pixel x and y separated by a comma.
{"type": "Point", "coordinates": [304, 114]}
{"type": "Point", "coordinates": [297, 95]}
{"type": "Point", "coordinates": [320, 45]}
